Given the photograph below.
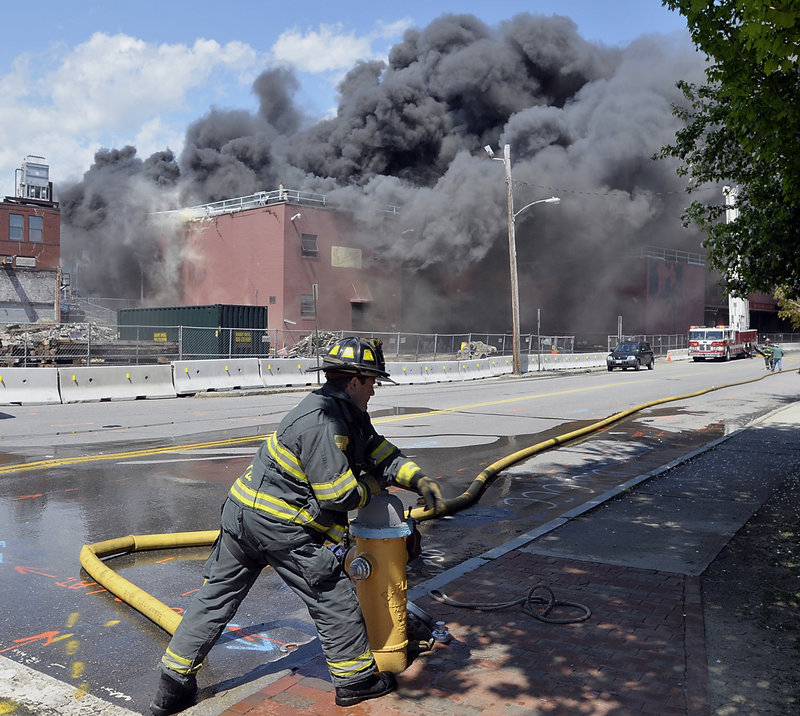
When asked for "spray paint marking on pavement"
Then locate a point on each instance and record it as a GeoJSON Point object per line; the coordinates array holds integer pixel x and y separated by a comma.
{"type": "Point", "coordinates": [83, 459]}
{"type": "Point", "coordinates": [48, 637]}
{"type": "Point", "coordinates": [77, 667]}
{"type": "Point", "coordinates": [252, 642]}
{"type": "Point", "coordinates": [74, 583]}
{"type": "Point", "coordinates": [26, 690]}
{"type": "Point", "coordinates": [260, 641]}
{"type": "Point", "coordinates": [70, 582]}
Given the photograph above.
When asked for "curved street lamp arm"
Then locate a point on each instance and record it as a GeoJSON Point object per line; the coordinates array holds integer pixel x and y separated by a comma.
{"type": "Point", "coordinates": [551, 200]}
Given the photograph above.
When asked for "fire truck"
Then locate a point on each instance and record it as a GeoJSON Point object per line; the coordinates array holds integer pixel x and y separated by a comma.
{"type": "Point", "coordinates": [720, 342]}
{"type": "Point", "coordinates": [725, 342]}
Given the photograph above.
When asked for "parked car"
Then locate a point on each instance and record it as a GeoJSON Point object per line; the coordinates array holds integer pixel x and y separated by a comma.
{"type": "Point", "coordinates": [631, 354]}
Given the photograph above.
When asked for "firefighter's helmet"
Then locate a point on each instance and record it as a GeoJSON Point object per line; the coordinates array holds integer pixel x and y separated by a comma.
{"type": "Point", "coordinates": [359, 356]}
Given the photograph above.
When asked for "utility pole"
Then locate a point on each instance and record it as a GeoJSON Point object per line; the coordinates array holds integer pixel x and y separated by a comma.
{"type": "Point", "coordinates": [516, 365]}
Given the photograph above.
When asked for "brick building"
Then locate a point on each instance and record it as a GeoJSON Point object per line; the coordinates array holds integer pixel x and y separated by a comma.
{"type": "Point", "coordinates": [30, 247]}
{"type": "Point", "coordinates": [271, 249]}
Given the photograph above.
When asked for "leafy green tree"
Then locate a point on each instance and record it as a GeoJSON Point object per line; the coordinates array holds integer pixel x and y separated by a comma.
{"type": "Point", "coordinates": [742, 129]}
{"type": "Point", "coordinates": [788, 308]}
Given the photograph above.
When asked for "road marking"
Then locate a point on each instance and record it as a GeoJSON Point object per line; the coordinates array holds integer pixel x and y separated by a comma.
{"type": "Point", "coordinates": [490, 403]}
{"type": "Point", "coordinates": [127, 455]}
{"type": "Point", "coordinates": [82, 459]}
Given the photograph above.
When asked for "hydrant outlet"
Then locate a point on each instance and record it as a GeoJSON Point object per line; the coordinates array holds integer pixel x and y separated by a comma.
{"type": "Point", "coordinates": [360, 568]}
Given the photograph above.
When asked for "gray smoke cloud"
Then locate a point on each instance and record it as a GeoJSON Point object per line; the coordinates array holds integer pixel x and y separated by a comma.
{"type": "Point", "coordinates": [583, 122]}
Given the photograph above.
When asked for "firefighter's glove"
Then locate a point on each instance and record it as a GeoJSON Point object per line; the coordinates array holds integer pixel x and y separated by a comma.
{"type": "Point", "coordinates": [430, 492]}
{"type": "Point", "coordinates": [370, 483]}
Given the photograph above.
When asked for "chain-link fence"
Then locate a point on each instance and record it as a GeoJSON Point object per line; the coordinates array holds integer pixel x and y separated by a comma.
{"type": "Point", "coordinates": [88, 343]}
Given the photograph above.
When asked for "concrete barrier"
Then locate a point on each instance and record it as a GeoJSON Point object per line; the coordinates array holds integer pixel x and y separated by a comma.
{"type": "Point", "coordinates": [443, 371]}
{"type": "Point", "coordinates": [681, 354]}
{"type": "Point", "coordinates": [200, 376]}
{"type": "Point", "coordinates": [29, 386]}
{"type": "Point", "coordinates": [95, 383]}
{"type": "Point", "coordinates": [488, 367]}
{"type": "Point", "coordinates": [501, 365]}
{"type": "Point", "coordinates": [406, 373]}
{"type": "Point", "coordinates": [285, 372]}
{"type": "Point", "coordinates": [566, 361]}
{"type": "Point", "coordinates": [585, 361]}
{"type": "Point", "coordinates": [475, 369]}
{"type": "Point", "coordinates": [552, 361]}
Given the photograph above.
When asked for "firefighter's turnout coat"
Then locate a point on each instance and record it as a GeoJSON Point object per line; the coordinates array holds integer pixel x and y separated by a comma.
{"type": "Point", "coordinates": [292, 498]}
{"type": "Point", "coordinates": [307, 472]}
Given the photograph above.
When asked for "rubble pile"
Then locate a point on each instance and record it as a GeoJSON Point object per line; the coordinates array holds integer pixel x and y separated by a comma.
{"type": "Point", "coordinates": [57, 343]}
{"type": "Point", "coordinates": [307, 347]}
{"type": "Point", "coordinates": [475, 349]}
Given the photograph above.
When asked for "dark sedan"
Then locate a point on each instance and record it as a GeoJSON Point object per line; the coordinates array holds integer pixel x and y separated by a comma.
{"type": "Point", "coordinates": [631, 354]}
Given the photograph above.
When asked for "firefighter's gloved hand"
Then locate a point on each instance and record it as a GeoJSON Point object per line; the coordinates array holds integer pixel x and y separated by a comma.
{"type": "Point", "coordinates": [430, 492]}
{"type": "Point", "coordinates": [371, 483]}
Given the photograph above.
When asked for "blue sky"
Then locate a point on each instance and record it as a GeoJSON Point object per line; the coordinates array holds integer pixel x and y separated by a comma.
{"type": "Point", "coordinates": [86, 74]}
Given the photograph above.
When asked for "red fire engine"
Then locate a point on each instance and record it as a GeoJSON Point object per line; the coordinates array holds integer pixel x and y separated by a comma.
{"type": "Point", "coordinates": [721, 342]}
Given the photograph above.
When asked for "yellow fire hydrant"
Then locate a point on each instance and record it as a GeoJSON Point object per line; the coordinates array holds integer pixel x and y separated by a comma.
{"type": "Point", "coordinates": [377, 563]}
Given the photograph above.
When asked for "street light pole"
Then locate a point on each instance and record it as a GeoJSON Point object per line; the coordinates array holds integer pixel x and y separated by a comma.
{"type": "Point", "coordinates": [516, 365]}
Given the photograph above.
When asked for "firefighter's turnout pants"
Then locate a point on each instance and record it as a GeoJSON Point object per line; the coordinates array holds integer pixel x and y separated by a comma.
{"type": "Point", "coordinates": [248, 542]}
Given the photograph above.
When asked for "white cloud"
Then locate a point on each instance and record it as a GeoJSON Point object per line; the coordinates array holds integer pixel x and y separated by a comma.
{"type": "Point", "coordinates": [66, 102]}
{"type": "Point", "coordinates": [393, 30]}
{"type": "Point", "coordinates": [109, 91]}
{"type": "Point", "coordinates": [121, 79]}
{"type": "Point", "coordinates": [331, 48]}
{"type": "Point", "coordinates": [325, 50]}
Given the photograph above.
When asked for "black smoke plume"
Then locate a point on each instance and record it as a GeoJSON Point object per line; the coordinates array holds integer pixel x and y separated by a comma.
{"type": "Point", "coordinates": [583, 122]}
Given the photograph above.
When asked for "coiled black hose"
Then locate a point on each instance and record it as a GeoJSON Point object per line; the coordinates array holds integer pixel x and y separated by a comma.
{"type": "Point", "coordinates": [539, 607]}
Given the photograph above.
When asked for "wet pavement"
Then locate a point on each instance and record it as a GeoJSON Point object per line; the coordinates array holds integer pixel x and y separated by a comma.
{"type": "Point", "coordinates": [58, 621]}
{"type": "Point", "coordinates": [633, 558]}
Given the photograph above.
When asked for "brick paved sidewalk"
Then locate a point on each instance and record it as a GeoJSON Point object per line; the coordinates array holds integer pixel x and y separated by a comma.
{"type": "Point", "coordinates": [641, 652]}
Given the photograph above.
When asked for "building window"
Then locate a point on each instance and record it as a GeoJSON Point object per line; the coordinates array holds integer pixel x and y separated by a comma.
{"type": "Point", "coordinates": [35, 229]}
{"type": "Point", "coordinates": [308, 244]}
{"type": "Point", "coordinates": [16, 223]}
{"type": "Point", "coordinates": [307, 306]}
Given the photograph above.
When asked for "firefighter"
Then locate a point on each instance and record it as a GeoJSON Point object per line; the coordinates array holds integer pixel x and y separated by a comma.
{"type": "Point", "coordinates": [777, 358]}
{"type": "Point", "coordinates": [324, 459]}
{"type": "Point", "coordinates": [767, 351]}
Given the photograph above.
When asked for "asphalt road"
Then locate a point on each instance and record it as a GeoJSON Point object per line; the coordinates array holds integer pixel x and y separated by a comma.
{"type": "Point", "coordinates": [78, 474]}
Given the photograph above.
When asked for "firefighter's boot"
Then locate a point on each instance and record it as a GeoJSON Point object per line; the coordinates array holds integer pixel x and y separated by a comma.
{"type": "Point", "coordinates": [173, 696]}
{"type": "Point", "coordinates": [378, 684]}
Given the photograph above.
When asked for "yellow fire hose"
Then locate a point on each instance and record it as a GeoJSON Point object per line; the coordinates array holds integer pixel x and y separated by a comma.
{"type": "Point", "coordinates": [168, 619]}
{"type": "Point", "coordinates": [487, 477]}
{"type": "Point", "coordinates": [128, 592]}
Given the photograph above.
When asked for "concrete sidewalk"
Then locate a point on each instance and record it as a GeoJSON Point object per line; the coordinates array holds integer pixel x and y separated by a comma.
{"type": "Point", "coordinates": [633, 557]}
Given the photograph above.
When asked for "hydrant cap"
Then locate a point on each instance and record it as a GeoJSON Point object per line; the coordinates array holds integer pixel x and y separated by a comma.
{"type": "Point", "coordinates": [383, 510]}
{"type": "Point", "coordinates": [381, 518]}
